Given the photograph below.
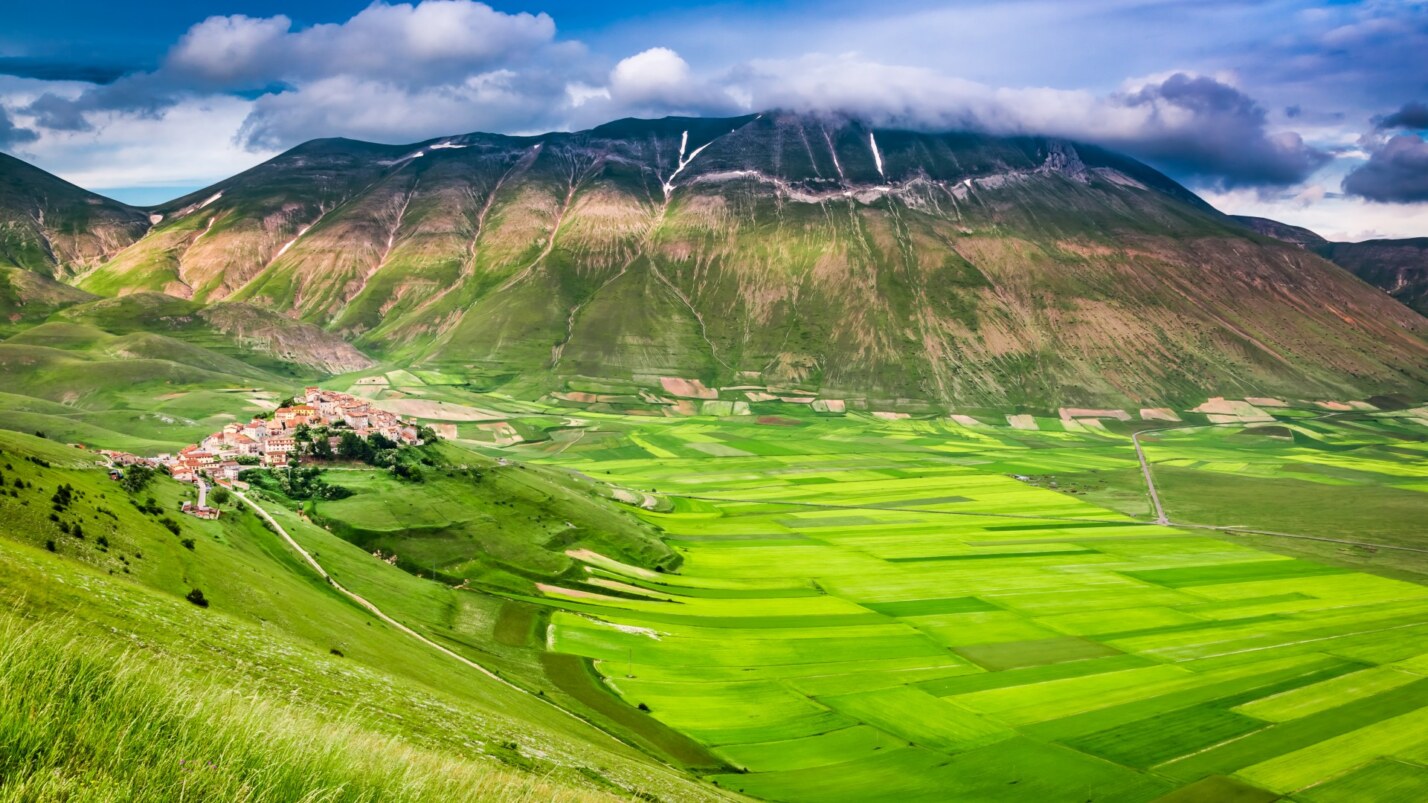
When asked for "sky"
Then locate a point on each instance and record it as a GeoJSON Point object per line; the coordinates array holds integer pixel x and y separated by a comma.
{"type": "Point", "coordinates": [1315, 114]}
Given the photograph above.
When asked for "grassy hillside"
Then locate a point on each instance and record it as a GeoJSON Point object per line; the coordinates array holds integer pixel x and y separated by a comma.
{"type": "Point", "coordinates": [474, 520]}
{"type": "Point", "coordinates": [147, 373]}
{"type": "Point", "coordinates": [278, 684]}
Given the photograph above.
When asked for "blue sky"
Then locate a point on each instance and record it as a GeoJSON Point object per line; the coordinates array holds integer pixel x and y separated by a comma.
{"type": "Point", "coordinates": [1308, 112]}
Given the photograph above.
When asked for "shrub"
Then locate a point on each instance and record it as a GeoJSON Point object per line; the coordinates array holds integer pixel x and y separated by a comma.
{"type": "Point", "coordinates": [187, 544]}
{"type": "Point", "coordinates": [172, 525]}
{"type": "Point", "coordinates": [196, 597]}
{"type": "Point", "coordinates": [136, 478]}
{"type": "Point", "coordinates": [50, 545]}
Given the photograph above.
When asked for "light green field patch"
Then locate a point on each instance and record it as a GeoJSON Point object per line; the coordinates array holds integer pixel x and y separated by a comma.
{"type": "Point", "coordinates": [1335, 756]}
{"type": "Point", "coordinates": [963, 629]}
{"type": "Point", "coordinates": [1326, 695]}
{"type": "Point", "coordinates": [846, 744]}
{"type": "Point", "coordinates": [1382, 780]}
{"type": "Point", "coordinates": [919, 718]}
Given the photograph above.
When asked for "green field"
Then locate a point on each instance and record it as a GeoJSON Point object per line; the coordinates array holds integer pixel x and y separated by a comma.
{"type": "Point", "coordinates": [870, 610]}
{"type": "Point", "coordinates": [802, 607]}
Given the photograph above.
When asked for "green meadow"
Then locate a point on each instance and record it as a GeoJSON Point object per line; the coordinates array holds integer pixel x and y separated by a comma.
{"type": "Point", "coordinates": [916, 610]}
{"type": "Point", "coordinates": [785, 605]}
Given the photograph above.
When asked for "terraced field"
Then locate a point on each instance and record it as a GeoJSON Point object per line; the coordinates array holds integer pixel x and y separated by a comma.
{"type": "Point", "coordinates": [882, 610]}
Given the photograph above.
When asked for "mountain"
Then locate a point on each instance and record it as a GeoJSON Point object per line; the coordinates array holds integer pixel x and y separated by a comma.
{"type": "Point", "coordinates": [54, 228]}
{"type": "Point", "coordinates": [1399, 267]}
{"type": "Point", "coordinates": [783, 251]}
{"type": "Point", "coordinates": [1284, 232]}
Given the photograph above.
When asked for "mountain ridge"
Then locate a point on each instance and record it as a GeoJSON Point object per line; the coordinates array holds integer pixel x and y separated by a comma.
{"type": "Point", "coordinates": [1398, 266]}
{"type": "Point", "coordinates": [777, 250]}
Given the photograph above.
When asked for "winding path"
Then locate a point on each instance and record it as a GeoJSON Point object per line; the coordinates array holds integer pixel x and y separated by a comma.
{"type": "Point", "coordinates": [1160, 517]}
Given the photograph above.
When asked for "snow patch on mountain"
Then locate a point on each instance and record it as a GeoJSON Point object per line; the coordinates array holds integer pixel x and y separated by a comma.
{"type": "Point", "coordinates": [877, 157]}
{"type": "Point", "coordinates": [683, 162]}
{"type": "Point", "coordinates": [289, 243]}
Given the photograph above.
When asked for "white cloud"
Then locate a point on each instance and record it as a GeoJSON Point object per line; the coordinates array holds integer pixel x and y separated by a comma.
{"type": "Point", "coordinates": [1335, 217]}
{"type": "Point", "coordinates": [191, 143]}
{"type": "Point", "coordinates": [424, 44]}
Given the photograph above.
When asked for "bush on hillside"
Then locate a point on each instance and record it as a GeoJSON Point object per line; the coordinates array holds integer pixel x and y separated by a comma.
{"type": "Point", "coordinates": [136, 478]}
{"type": "Point", "coordinates": [196, 597]}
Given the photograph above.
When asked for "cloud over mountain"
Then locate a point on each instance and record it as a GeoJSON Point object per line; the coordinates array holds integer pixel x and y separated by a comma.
{"type": "Point", "coordinates": [11, 134]}
{"type": "Point", "coordinates": [410, 71]}
{"type": "Point", "coordinates": [1396, 172]}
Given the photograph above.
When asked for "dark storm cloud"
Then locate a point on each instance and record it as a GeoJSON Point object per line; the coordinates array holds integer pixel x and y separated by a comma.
{"type": "Point", "coordinates": [1397, 172]}
{"type": "Point", "coordinates": [58, 114]}
{"type": "Point", "coordinates": [1412, 115]}
{"type": "Point", "coordinates": [1204, 128]}
{"type": "Point", "coordinates": [59, 70]}
{"type": "Point", "coordinates": [11, 134]}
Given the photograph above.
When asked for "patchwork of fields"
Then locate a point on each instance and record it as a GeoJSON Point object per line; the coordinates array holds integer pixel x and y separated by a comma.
{"type": "Point", "coordinates": [885, 611]}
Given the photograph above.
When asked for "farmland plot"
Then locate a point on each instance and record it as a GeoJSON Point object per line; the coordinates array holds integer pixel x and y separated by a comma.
{"type": "Point", "coordinates": [890, 610]}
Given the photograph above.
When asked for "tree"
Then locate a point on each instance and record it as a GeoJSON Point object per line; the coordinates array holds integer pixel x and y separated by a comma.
{"type": "Point", "coordinates": [221, 496]}
{"type": "Point", "coordinates": [322, 447]}
{"type": "Point", "coordinates": [353, 447]}
{"type": "Point", "coordinates": [196, 597]}
{"type": "Point", "coordinates": [136, 478]}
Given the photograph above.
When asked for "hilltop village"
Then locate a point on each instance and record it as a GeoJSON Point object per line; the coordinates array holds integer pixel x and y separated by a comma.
{"type": "Point", "coordinates": [270, 442]}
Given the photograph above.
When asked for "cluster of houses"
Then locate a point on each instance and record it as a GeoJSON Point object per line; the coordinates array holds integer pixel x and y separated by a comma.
{"type": "Point", "coordinates": [271, 441]}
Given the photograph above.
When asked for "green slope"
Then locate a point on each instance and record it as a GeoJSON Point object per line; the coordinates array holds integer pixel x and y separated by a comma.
{"type": "Point", "coordinates": [322, 683]}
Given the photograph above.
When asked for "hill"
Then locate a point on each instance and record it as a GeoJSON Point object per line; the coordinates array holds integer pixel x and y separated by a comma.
{"type": "Point", "coordinates": [778, 250]}
{"type": "Point", "coordinates": [1399, 267]}
{"type": "Point", "coordinates": [54, 228]}
{"type": "Point", "coordinates": [276, 687]}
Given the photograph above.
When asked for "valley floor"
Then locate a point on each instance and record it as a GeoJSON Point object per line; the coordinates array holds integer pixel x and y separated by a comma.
{"type": "Point", "coordinates": [897, 611]}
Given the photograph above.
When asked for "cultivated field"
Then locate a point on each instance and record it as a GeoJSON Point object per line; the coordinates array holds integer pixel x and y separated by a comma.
{"type": "Point", "coordinates": [925, 611]}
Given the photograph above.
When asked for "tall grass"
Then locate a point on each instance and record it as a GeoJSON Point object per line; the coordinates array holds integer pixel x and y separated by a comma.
{"type": "Point", "coordinates": [82, 724]}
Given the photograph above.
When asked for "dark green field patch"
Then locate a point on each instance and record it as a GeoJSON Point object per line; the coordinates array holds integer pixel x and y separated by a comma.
{"type": "Point", "coordinates": [1148, 742]}
{"type": "Point", "coordinates": [929, 607]}
{"type": "Point", "coordinates": [515, 625]}
{"type": "Point", "coordinates": [1219, 789]}
{"type": "Point", "coordinates": [1251, 571]}
{"type": "Point", "coordinates": [1018, 654]}
{"type": "Point", "coordinates": [576, 677]}
{"type": "Point", "coordinates": [1287, 737]}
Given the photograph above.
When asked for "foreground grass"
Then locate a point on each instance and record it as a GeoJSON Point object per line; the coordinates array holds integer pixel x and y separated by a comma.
{"type": "Point", "coordinates": [80, 723]}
